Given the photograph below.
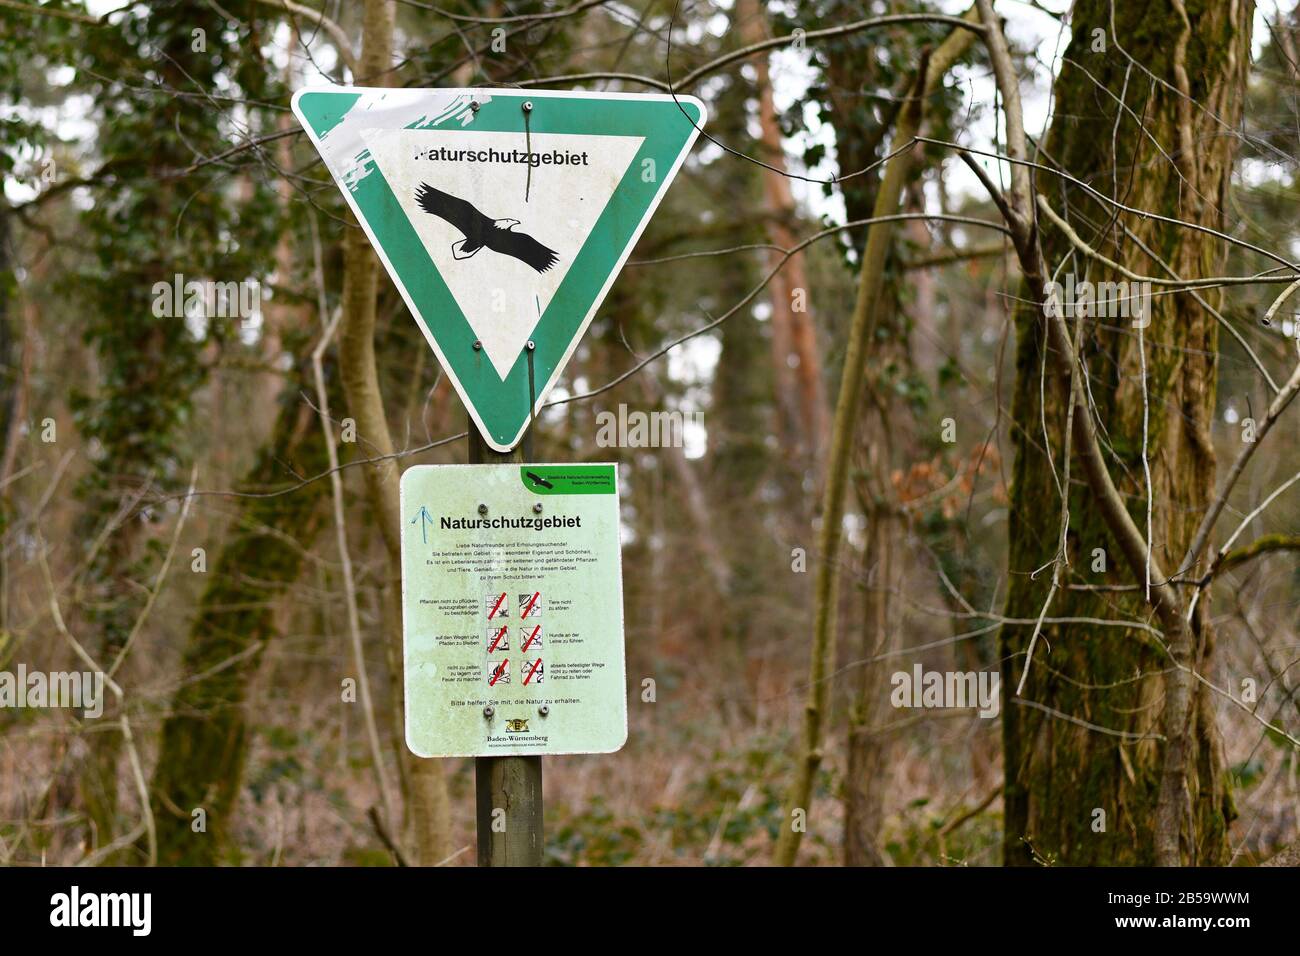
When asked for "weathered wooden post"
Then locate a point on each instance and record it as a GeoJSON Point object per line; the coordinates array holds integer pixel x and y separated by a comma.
{"type": "Point", "coordinates": [507, 790]}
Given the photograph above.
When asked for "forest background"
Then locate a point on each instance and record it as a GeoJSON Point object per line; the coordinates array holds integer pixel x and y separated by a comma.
{"type": "Point", "coordinates": [901, 447]}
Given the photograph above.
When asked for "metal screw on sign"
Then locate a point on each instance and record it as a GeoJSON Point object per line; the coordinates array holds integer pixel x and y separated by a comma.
{"type": "Point", "coordinates": [488, 711]}
{"type": "Point", "coordinates": [528, 106]}
{"type": "Point", "coordinates": [482, 509]}
{"type": "Point", "coordinates": [478, 345]}
{"type": "Point", "coordinates": [544, 710]}
{"type": "Point", "coordinates": [537, 508]}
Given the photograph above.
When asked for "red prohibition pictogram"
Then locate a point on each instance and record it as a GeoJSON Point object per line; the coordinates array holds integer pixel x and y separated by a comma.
{"type": "Point", "coordinates": [532, 603]}
{"type": "Point", "coordinates": [498, 606]}
{"type": "Point", "coordinates": [498, 638]}
{"type": "Point", "coordinates": [534, 670]}
{"type": "Point", "coordinates": [531, 636]}
{"type": "Point", "coordinates": [499, 672]}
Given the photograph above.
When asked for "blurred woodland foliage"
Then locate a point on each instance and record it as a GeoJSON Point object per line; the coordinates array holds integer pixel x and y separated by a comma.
{"type": "Point", "coordinates": [166, 489]}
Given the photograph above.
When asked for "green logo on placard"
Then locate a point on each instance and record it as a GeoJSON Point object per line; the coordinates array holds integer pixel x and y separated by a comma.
{"type": "Point", "coordinates": [568, 479]}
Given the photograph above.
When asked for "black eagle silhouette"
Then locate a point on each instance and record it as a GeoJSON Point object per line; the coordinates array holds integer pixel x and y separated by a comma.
{"type": "Point", "coordinates": [480, 231]}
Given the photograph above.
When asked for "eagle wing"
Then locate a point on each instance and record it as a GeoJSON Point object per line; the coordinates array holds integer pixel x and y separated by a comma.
{"type": "Point", "coordinates": [459, 212]}
{"type": "Point", "coordinates": [523, 247]}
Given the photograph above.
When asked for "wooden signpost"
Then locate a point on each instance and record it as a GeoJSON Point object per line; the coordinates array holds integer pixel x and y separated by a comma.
{"type": "Point", "coordinates": [512, 783]}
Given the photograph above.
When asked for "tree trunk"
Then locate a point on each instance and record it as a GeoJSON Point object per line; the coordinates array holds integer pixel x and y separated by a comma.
{"type": "Point", "coordinates": [802, 415]}
{"type": "Point", "coordinates": [424, 787]}
{"type": "Point", "coordinates": [861, 333]}
{"type": "Point", "coordinates": [868, 746]}
{"type": "Point", "coordinates": [862, 326]}
{"type": "Point", "coordinates": [1076, 794]}
{"type": "Point", "coordinates": [204, 739]}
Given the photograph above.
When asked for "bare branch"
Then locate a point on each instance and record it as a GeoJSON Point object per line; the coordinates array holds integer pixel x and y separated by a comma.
{"type": "Point", "coordinates": [341, 40]}
{"type": "Point", "coordinates": [690, 79]}
{"type": "Point", "coordinates": [1275, 409]}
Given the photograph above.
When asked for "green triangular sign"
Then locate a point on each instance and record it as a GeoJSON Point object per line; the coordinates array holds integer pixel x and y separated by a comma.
{"type": "Point", "coordinates": [502, 216]}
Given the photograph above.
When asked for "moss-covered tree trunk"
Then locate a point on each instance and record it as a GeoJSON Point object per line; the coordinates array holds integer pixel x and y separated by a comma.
{"type": "Point", "coordinates": [205, 737]}
{"type": "Point", "coordinates": [1097, 758]}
